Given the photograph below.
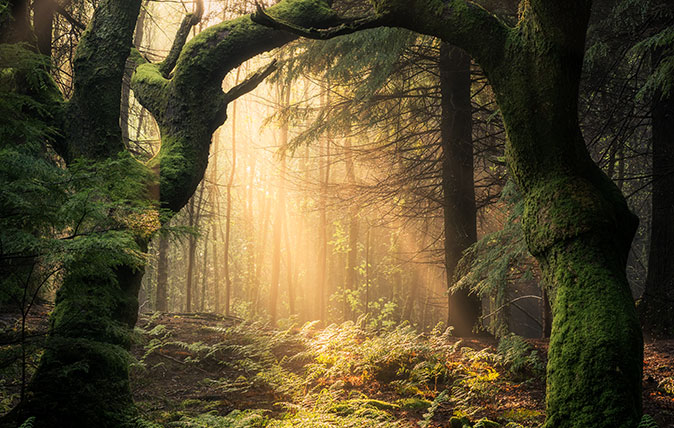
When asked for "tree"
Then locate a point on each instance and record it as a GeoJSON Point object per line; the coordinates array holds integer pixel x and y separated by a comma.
{"type": "Point", "coordinates": [83, 375]}
{"type": "Point", "coordinates": [576, 221]}
{"type": "Point", "coordinates": [657, 302]}
{"type": "Point", "coordinates": [458, 188]}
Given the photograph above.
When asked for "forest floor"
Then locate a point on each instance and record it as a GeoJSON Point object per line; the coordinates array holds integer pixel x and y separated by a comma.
{"type": "Point", "coordinates": [202, 370]}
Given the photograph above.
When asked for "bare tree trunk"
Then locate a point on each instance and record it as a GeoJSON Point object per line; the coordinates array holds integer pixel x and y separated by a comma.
{"type": "Point", "coordinates": [324, 172]}
{"type": "Point", "coordinates": [352, 255]}
{"type": "Point", "coordinates": [657, 303]}
{"type": "Point", "coordinates": [261, 253]}
{"type": "Point", "coordinates": [457, 180]}
{"type": "Point", "coordinates": [228, 220]}
{"type": "Point", "coordinates": [278, 217]}
{"type": "Point", "coordinates": [215, 206]}
{"type": "Point", "coordinates": [367, 273]}
{"type": "Point", "coordinates": [191, 247]}
{"type": "Point", "coordinates": [204, 273]}
{"type": "Point", "coordinates": [289, 267]}
{"type": "Point", "coordinates": [161, 303]}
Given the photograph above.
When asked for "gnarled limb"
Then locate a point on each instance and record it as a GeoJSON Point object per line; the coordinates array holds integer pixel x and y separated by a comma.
{"type": "Point", "coordinates": [457, 22]}
{"type": "Point", "coordinates": [251, 82]}
{"type": "Point", "coordinates": [348, 27]}
{"type": "Point", "coordinates": [190, 105]}
{"type": "Point", "coordinates": [92, 123]}
{"type": "Point", "coordinates": [190, 20]}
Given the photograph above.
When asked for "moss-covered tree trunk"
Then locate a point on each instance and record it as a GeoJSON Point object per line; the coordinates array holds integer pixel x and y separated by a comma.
{"type": "Point", "coordinates": [82, 379]}
{"type": "Point", "coordinates": [457, 181]}
{"type": "Point", "coordinates": [576, 221]}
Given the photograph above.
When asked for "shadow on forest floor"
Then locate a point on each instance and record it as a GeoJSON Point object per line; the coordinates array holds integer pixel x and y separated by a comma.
{"type": "Point", "coordinates": [202, 370]}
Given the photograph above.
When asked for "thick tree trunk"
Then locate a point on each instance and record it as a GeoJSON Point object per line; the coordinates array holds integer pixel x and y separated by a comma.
{"type": "Point", "coordinates": [657, 302]}
{"type": "Point", "coordinates": [577, 224]}
{"type": "Point", "coordinates": [457, 181]}
{"type": "Point", "coordinates": [82, 380]}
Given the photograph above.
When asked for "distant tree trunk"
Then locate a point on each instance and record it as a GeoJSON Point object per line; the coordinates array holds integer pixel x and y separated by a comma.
{"type": "Point", "coordinates": [266, 205]}
{"type": "Point", "coordinates": [408, 309]}
{"type": "Point", "coordinates": [161, 303]}
{"type": "Point", "coordinates": [352, 255]}
{"type": "Point", "coordinates": [279, 215]}
{"type": "Point", "coordinates": [367, 273]}
{"type": "Point", "coordinates": [546, 314]}
{"type": "Point", "coordinates": [215, 206]}
{"type": "Point", "coordinates": [457, 180]}
{"type": "Point", "coordinates": [43, 21]}
{"type": "Point", "coordinates": [216, 270]}
{"type": "Point", "coordinates": [191, 248]}
{"type": "Point", "coordinates": [324, 172]}
{"type": "Point", "coordinates": [657, 302]}
{"type": "Point", "coordinates": [204, 273]}
{"type": "Point", "coordinates": [289, 267]}
{"type": "Point", "coordinates": [228, 219]}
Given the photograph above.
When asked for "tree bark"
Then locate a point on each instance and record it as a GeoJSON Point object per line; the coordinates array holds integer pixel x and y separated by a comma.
{"type": "Point", "coordinates": [457, 181]}
{"type": "Point", "coordinates": [82, 377]}
{"type": "Point", "coordinates": [228, 219]}
{"type": "Point", "coordinates": [657, 302]}
{"type": "Point", "coordinates": [191, 248]}
{"type": "Point", "coordinates": [161, 303]}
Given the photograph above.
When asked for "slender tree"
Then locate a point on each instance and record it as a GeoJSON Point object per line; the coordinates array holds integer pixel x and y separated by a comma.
{"type": "Point", "coordinates": [458, 188]}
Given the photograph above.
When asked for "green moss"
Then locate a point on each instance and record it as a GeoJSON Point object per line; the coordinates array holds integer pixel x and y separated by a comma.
{"type": "Point", "coordinates": [414, 404]}
{"type": "Point", "coordinates": [596, 350]}
{"type": "Point", "coordinates": [563, 208]}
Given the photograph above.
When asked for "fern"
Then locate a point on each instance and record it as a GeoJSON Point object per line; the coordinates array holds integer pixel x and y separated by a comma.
{"type": "Point", "coordinates": [647, 422]}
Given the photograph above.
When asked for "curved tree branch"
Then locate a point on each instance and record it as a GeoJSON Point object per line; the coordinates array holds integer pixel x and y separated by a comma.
{"type": "Point", "coordinates": [190, 105]}
{"type": "Point", "coordinates": [190, 20]}
{"type": "Point", "coordinates": [348, 27]}
{"type": "Point", "coordinates": [251, 82]}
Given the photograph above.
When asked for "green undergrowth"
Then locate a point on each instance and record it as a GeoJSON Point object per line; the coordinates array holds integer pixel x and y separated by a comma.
{"type": "Point", "coordinates": [340, 376]}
